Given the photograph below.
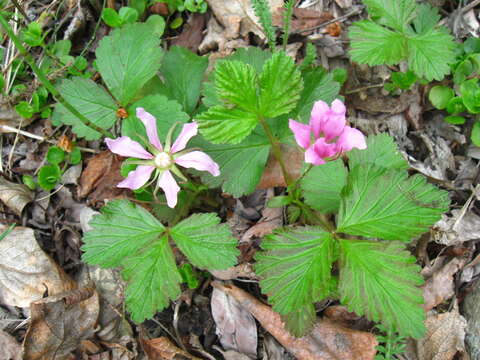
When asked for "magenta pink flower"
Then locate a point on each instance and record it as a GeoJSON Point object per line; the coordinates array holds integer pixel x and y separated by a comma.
{"type": "Point", "coordinates": [160, 159]}
{"type": "Point", "coordinates": [327, 135]}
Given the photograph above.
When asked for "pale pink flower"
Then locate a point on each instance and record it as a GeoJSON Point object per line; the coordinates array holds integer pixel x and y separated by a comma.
{"type": "Point", "coordinates": [327, 135]}
{"type": "Point", "coordinates": [161, 159]}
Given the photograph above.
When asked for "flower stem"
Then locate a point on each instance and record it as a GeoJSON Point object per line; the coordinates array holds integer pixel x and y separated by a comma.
{"type": "Point", "coordinates": [277, 152]}
{"type": "Point", "coordinates": [44, 80]}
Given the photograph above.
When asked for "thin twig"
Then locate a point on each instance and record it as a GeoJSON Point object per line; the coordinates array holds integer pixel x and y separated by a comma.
{"type": "Point", "coordinates": [17, 5]}
{"type": "Point", "coordinates": [7, 128]}
{"type": "Point", "coordinates": [470, 6]}
{"type": "Point", "coordinates": [355, 11]}
{"type": "Point", "coordinates": [364, 88]}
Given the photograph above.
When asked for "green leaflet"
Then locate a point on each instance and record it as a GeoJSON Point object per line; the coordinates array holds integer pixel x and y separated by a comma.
{"type": "Point", "coordinates": [127, 59]}
{"type": "Point", "coordinates": [381, 151]}
{"type": "Point", "coordinates": [396, 14]}
{"type": "Point", "coordinates": [323, 184]}
{"type": "Point", "coordinates": [380, 280]}
{"type": "Point", "coordinates": [296, 267]}
{"type": "Point", "coordinates": [207, 244]}
{"type": "Point", "coordinates": [90, 100]}
{"type": "Point", "coordinates": [387, 204]}
{"type": "Point", "coordinates": [300, 321]}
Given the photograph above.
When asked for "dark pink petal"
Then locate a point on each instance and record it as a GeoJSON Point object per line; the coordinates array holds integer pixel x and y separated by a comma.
{"type": "Point", "coordinates": [333, 125]}
{"type": "Point", "coordinates": [349, 139]}
{"type": "Point", "coordinates": [150, 124]}
{"type": "Point", "coordinates": [301, 132]}
{"type": "Point", "coordinates": [324, 149]}
{"type": "Point", "coordinates": [317, 118]}
{"type": "Point", "coordinates": [137, 178]}
{"type": "Point", "coordinates": [124, 146]}
{"type": "Point", "coordinates": [200, 161]}
{"type": "Point", "coordinates": [311, 157]}
{"type": "Point", "coordinates": [188, 131]}
{"type": "Point", "coordinates": [169, 187]}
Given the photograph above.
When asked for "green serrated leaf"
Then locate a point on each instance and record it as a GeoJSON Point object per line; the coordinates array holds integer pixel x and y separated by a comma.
{"type": "Point", "coordinates": [182, 72]}
{"type": "Point", "coordinates": [373, 44]}
{"type": "Point", "coordinates": [423, 50]}
{"type": "Point", "coordinates": [383, 203]}
{"type": "Point", "coordinates": [241, 165]}
{"type": "Point", "coordinates": [381, 151]}
{"type": "Point", "coordinates": [300, 321]}
{"type": "Point", "coordinates": [380, 280]}
{"type": "Point", "coordinates": [280, 85]}
{"type": "Point", "coordinates": [221, 125]}
{"type": "Point", "coordinates": [153, 280]}
{"type": "Point", "coordinates": [322, 185]}
{"type": "Point", "coordinates": [253, 56]}
{"type": "Point", "coordinates": [396, 14]}
{"type": "Point", "coordinates": [167, 112]}
{"type": "Point", "coordinates": [206, 243]}
{"type": "Point", "coordinates": [127, 59]}
{"type": "Point", "coordinates": [426, 19]}
{"type": "Point", "coordinates": [236, 84]}
{"type": "Point", "coordinates": [120, 231]}
{"type": "Point", "coordinates": [91, 101]}
{"type": "Point", "coordinates": [296, 267]}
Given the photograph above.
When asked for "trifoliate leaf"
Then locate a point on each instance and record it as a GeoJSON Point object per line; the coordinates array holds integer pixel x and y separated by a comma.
{"type": "Point", "coordinates": [206, 243]}
{"type": "Point", "coordinates": [296, 267]}
{"type": "Point", "coordinates": [396, 14]}
{"type": "Point", "coordinates": [280, 85]}
{"type": "Point", "coordinates": [381, 151]}
{"type": "Point", "coordinates": [153, 280]}
{"type": "Point", "coordinates": [423, 50]}
{"type": "Point", "coordinates": [222, 125]}
{"type": "Point", "coordinates": [387, 204]}
{"type": "Point", "coordinates": [322, 185]}
{"type": "Point", "coordinates": [120, 231]}
{"type": "Point", "coordinates": [236, 84]}
{"type": "Point", "coordinates": [380, 280]}
{"type": "Point", "coordinates": [300, 321]}
{"type": "Point", "coordinates": [127, 59]}
{"type": "Point", "coordinates": [318, 84]}
{"type": "Point", "coordinates": [182, 72]}
{"type": "Point", "coordinates": [167, 112]}
{"type": "Point", "coordinates": [90, 100]}
{"type": "Point", "coordinates": [241, 165]}
{"type": "Point", "coordinates": [373, 44]}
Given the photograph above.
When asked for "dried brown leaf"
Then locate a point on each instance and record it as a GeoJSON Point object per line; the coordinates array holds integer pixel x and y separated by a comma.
{"type": "Point", "coordinates": [161, 348]}
{"type": "Point", "coordinates": [11, 349]}
{"type": "Point", "coordinates": [273, 176]}
{"type": "Point", "coordinates": [303, 19]}
{"type": "Point", "coordinates": [327, 341]}
{"type": "Point", "coordinates": [59, 323]}
{"type": "Point", "coordinates": [244, 270]}
{"type": "Point", "coordinates": [26, 272]}
{"type": "Point", "coordinates": [192, 33]}
{"type": "Point", "coordinates": [14, 196]}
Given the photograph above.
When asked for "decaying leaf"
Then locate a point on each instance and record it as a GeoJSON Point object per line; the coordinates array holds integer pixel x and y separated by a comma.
{"type": "Point", "coordinates": [458, 228]}
{"type": "Point", "coordinates": [327, 341]}
{"type": "Point", "coordinates": [440, 286]}
{"type": "Point", "coordinates": [244, 270]}
{"type": "Point", "coordinates": [59, 323]}
{"type": "Point", "coordinates": [161, 348]}
{"type": "Point", "coordinates": [236, 327]}
{"type": "Point", "coordinates": [10, 348]}
{"type": "Point", "coordinates": [445, 337]}
{"type": "Point", "coordinates": [303, 19]}
{"type": "Point", "coordinates": [273, 175]}
{"type": "Point", "coordinates": [26, 272]}
{"type": "Point", "coordinates": [14, 196]}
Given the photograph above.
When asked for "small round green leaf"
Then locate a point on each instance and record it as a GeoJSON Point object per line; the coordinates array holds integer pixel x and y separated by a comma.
{"type": "Point", "coordinates": [470, 91]}
{"type": "Point", "coordinates": [455, 106]}
{"type": "Point", "coordinates": [128, 15]}
{"type": "Point", "coordinates": [111, 18]}
{"type": "Point", "coordinates": [75, 156]}
{"type": "Point", "coordinates": [29, 182]}
{"type": "Point", "coordinates": [475, 136]}
{"type": "Point", "coordinates": [24, 109]}
{"type": "Point", "coordinates": [157, 24]}
{"type": "Point", "coordinates": [55, 155]}
{"type": "Point", "coordinates": [176, 23]}
{"type": "Point", "coordinates": [440, 95]}
{"type": "Point", "coordinates": [49, 176]}
{"type": "Point", "coordinates": [455, 119]}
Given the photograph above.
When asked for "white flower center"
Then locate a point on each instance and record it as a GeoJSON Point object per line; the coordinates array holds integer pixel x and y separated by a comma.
{"type": "Point", "coordinates": [163, 160]}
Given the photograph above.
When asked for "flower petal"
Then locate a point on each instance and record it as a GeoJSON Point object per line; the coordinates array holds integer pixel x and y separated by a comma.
{"type": "Point", "coordinates": [301, 132]}
{"type": "Point", "coordinates": [137, 178]}
{"type": "Point", "coordinates": [124, 146]}
{"type": "Point", "coordinates": [189, 130]}
{"type": "Point", "coordinates": [169, 187]}
{"type": "Point", "coordinates": [150, 124]}
{"type": "Point", "coordinates": [199, 161]}
{"type": "Point", "coordinates": [311, 157]}
{"type": "Point", "coordinates": [338, 107]}
{"type": "Point", "coordinates": [349, 139]}
{"type": "Point", "coordinates": [319, 111]}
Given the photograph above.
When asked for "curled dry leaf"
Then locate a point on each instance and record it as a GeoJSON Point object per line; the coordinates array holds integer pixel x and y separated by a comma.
{"type": "Point", "coordinates": [440, 286]}
{"type": "Point", "coordinates": [273, 175]}
{"type": "Point", "coordinates": [303, 19]}
{"type": "Point", "coordinates": [14, 196]}
{"type": "Point", "coordinates": [244, 270]}
{"type": "Point", "coordinates": [327, 341]}
{"type": "Point", "coordinates": [59, 323]}
{"type": "Point", "coordinates": [236, 327]}
{"type": "Point", "coordinates": [445, 337]}
{"type": "Point", "coordinates": [26, 272]}
{"type": "Point", "coordinates": [161, 348]}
